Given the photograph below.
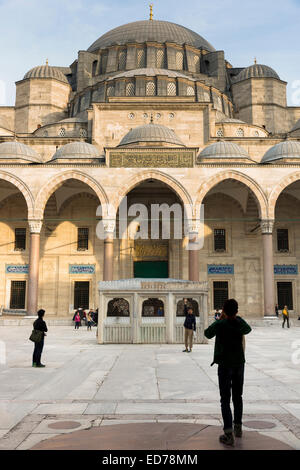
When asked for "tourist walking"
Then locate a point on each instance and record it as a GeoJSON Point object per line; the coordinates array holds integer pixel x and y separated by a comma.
{"type": "Point", "coordinates": [77, 320]}
{"type": "Point", "coordinates": [286, 317]}
{"type": "Point", "coordinates": [230, 357]}
{"type": "Point", "coordinates": [39, 325]}
{"type": "Point", "coordinates": [189, 327]}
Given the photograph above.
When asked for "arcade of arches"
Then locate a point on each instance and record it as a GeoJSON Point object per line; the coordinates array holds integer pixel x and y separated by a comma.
{"type": "Point", "coordinates": [51, 258]}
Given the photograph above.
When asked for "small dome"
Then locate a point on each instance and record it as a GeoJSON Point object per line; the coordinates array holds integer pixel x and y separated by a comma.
{"type": "Point", "coordinates": [257, 71]}
{"type": "Point", "coordinates": [76, 150]}
{"type": "Point", "coordinates": [18, 151]}
{"type": "Point", "coordinates": [155, 30]}
{"type": "Point", "coordinates": [286, 149]}
{"type": "Point", "coordinates": [224, 150]}
{"type": "Point", "coordinates": [46, 71]}
{"type": "Point", "coordinates": [151, 133]}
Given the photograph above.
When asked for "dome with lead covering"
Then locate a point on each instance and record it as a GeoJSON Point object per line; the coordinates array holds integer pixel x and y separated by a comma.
{"type": "Point", "coordinates": [257, 71]}
{"type": "Point", "coordinates": [224, 150]}
{"type": "Point", "coordinates": [46, 71]}
{"type": "Point", "coordinates": [288, 149]}
{"type": "Point", "coordinates": [154, 30]}
{"type": "Point", "coordinates": [17, 151]}
{"type": "Point", "coordinates": [152, 133]}
{"type": "Point", "coordinates": [80, 150]}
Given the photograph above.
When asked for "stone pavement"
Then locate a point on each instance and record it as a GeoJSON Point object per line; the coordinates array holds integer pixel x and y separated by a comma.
{"type": "Point", "coordinates": [110, 391]}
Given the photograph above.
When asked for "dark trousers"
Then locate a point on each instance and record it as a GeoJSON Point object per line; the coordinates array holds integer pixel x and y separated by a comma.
{"type": "Point", "coordinates": [37, 353]}
{"type": "Point", "coordinates": [231, 380]}
{"type": "Point", "coordinates": [286, 319]}
{"type": "Point", "coordinates": [77, 325]}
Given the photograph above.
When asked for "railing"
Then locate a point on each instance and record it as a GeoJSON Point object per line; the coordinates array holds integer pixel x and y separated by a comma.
{"type": "Point", "coordinates": [153, 334]}
{"type": "Point", "coordinates": [117, 334]}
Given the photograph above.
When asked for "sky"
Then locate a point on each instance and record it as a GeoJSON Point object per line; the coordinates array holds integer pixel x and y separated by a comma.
{"type": "Point", "coordinates": [35, 30]}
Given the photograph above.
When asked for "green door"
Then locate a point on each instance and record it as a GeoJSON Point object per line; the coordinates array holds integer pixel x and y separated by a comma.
{"type": "Point", "coordinates": [151, 269]}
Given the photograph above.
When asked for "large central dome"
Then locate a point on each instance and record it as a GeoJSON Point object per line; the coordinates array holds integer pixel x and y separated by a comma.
{"type": "Point", "coordinates": [154, 30]}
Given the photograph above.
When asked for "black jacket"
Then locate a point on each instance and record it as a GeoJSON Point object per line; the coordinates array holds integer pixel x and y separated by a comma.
{"type": "Point", "coordinates": [40, 325]}
{"type": "Point", "coordinates": [190, 320]}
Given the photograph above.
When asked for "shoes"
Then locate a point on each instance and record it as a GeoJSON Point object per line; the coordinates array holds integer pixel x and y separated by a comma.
{"type": "Point", "coordinates": [227, 439]}
{"type": "Point", "coordinates": [40, 365]}
{"type": "Point", "coordinates": [34, 364]}
{"type": "Point", "coordinates": [238, 430]}
{"type": "Point", "coordinates": [189, 350]}
{"type": "Point", "coordinates": [185, 350]}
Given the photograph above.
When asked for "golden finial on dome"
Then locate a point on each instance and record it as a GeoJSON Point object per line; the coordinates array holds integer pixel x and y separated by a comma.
{"type": "Point", "coordinates": [47, 63]}
{"type": "Point", "coordinates": [255, 61]}
{"type": "Point", "coordinates": [151, 11]}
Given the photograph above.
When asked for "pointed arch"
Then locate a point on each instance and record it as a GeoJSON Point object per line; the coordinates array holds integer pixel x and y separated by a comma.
{"type": "Point", "coordinates": [23, 188]}
{"type": "Point", "coordinates": [260, 196]}
{"type": "Point", "coordinates": [279, 188]}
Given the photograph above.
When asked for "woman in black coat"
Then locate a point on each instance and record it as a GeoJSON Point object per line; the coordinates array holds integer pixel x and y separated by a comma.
{"type": "Point", "coordinates": [39, 325]}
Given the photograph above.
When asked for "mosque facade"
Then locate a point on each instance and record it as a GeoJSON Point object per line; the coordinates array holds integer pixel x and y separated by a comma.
{"type": "Point", "coordinates": [153, 112]}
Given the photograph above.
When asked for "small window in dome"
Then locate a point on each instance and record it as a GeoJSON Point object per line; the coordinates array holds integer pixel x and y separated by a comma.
{"type": "Point", "coordinates": [141, 58]}
{"type": "Point", "coordinates": [220, 133]}
{"type": "Point", "coordinates": [256, 134]}
{"type": "Point", "coordinates": [95, 65]}
{"type": "Point", "coordinates": [130, 89]}
{"type": "Point", "coordinates": [150, 89]}
{"type": "Point", "coordinates": [190, 91]}
{"type": "Point", "coordinates": [197, 63]}
{"type": "Point", "coordinates": [83, 133]}
{"type": "Point", "coordinates": [171, 89]}
{"type": "Point", "coordinates": [161, 59]}
{"type": "Point", "coordinates": [62, 132]}
{"type": "Point", "coordinates": [122, 60]}
{"type": "Point", "coordinates": [240, 132]}
{"type": "Point", "coordinates": [179, 60]}
{"type": "Point", "coordinates": [111, 91]}
{"type": "Point", "coordinates": [131, 116]}
{"type": "Point", "coordinates": [103, 62]}
{"type": "Point", "coordinates": [45, 134]}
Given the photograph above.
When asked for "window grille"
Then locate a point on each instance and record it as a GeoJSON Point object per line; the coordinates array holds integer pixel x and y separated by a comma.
{"type": "Point", "coordinates": [82, 295]}
{"type": "Point", "coordinates": [83, 239]}
{"type": "Point", "coordinates": [20, 239]}
{"type": "Point", "coordinates": [220, 294]}
{"type": "Point", "coordinates": [220, 239]}
{"type": "Point", "coordinates": [17, 295]}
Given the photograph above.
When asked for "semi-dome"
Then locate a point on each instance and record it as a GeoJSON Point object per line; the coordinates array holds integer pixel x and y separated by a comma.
{"type": "Point", "coordinates": [257, 71]}
{"type": "Point", "coordinates": [155, 30]}
{"type": "Point", "coordinates": [286, 149]}
{"type": "Point", "coordinates": [154, 133]}
{"type": "Point", "coordinates": [223, 149]}
{"type": "Point", "coordinates": [46, 71]}
{"type": "Point", "coordinates": [81, 150]}
{"type": "Point", "coordinates": [18, 151]}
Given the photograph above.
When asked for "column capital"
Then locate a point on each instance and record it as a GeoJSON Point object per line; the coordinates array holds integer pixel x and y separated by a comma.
{"type": "Point", "coordinates": [267, 226]}
{"type": "Point", "coordinates": [35, 226]}
{"type": "Point", "coordinates": [109, 225]}
{"type": "Point", "coordinates": [193, 225]}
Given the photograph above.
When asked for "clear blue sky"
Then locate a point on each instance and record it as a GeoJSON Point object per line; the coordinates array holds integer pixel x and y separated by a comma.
{"type": "Point", "coordinates": [33, 30]}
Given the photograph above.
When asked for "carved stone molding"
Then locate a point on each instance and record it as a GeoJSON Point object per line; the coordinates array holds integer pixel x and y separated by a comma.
{"type": "Point", "coordinates": [35, 226]}
{"type": "Point", "coordinates": [267, 226]}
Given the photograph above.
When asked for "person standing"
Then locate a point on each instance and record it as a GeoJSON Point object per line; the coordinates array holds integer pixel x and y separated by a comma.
{"type": "Point", "coordinates": [285, 315]}
{"type": "Point", "coordinates": [89, 321]}
{"type": "Point", "coordinates": [276, 310]}
{"type": "Point", "coordinates": [77, 321]}
{"type": "Point", "coordinates": [189, 327]}
{"type": "Point", "coordinates": [229, 355]}
{"type": "Point", "coordinates": [39, 325]}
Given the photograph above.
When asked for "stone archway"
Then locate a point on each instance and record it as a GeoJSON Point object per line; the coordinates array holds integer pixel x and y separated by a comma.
{"type": "Point", "coordinates": [50, 187]}
{"type": "Point", "coordinates": [155, 175]}
{"type": "Point", "coordinates": [250, 183]}
{"type": "Point", "coordinates": [23, 188]}
{"type": "Point", "coordinates": [284, 183]}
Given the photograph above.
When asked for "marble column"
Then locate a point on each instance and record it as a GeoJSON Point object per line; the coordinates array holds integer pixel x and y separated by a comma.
{"type": "Point", "coordinates": [268, 267]}
{"type": "Point", "coordinates": [108, 262]}
{"type": "Point", "coordinates": [35, 227]}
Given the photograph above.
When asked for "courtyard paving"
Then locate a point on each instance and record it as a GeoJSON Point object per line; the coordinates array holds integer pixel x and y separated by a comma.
{"type": "Point", "coordinates": [152, 390]}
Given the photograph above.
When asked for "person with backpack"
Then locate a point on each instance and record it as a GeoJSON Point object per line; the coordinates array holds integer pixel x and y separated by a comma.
{"type": "Point", "coordinates": [285, 316]}
{"type": "Point", "coordinates": [229, 331]}
{"type": "Point", "coordinates": [39, 325]}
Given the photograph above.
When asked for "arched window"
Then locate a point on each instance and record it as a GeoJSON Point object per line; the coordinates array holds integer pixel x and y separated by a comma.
{"type": "Point", "coordinates": [103, 62]}
{"type": "Point", "coordinates": [220, 132]}
{"type": "Point", "coordinates": [240, 132]}
{"type": "Point", "coordinates": [83, 133]}
{"type": "Point", "coordinates": [161, 59]}
{"type": "Point", "coordinates": [94, 71]}
{"type": "Point", "coordinates": [130, 89]}
{"type": "Point", "coordinates": [190, 91]}
{"type": "Point", "coordinates": [190, 303]}
{"type": "Point", "coordinates": [110, 90]}
{"type": "Point", "coordinates": [122, 59]}
{"type": "Point", "coordinates": [179, 60]}
{"type": "Point", "coordinates": [141, 58]}
{"type": "Point", "coordinates": [197, 63]}
{"type": "Point", "coordinates": [171, 89]}
{"type": "Point", "coordinates": [118, 308]}
{"type": "Point", "coordinates": [62, 132]}
{"type": "Point", "coordinates": [150, 88]}
{"type": "Point", "coordinates": [153, 308]}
